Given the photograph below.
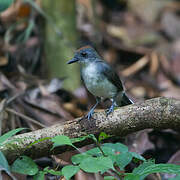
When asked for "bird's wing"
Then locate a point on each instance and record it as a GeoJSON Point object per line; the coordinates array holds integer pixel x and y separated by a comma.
{"type": "Point", "coordinates": [111, 75]}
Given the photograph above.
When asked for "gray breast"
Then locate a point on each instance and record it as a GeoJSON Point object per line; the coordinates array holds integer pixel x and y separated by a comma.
{"type": "Point", "coordinates": [97, 83]}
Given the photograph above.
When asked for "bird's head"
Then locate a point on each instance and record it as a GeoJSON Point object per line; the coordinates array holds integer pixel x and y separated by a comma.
{"type": "Point", "coordinates": [84, 55]}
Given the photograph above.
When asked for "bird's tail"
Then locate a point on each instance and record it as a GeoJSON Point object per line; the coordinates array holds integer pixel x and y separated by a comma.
{"type": "Point", "coordinates": [123, 100]}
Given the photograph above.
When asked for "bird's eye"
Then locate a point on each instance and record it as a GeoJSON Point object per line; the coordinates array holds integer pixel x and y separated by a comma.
{"type": "Point", "coordinates": [84, 54]}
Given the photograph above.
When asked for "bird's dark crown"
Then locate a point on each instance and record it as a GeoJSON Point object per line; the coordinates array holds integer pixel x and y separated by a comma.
{"type": "Point", "coordinates": [87, 51]}
{"type": "Point", "coordinates": [85, 55]}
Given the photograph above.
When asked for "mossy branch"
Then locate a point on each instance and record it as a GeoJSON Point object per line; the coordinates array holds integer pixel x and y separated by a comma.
{"type": "Point", "coordinates": [157, 113]}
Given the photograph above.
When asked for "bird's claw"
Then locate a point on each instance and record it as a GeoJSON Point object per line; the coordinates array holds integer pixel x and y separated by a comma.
{"type": "Point", "coordinates": [110, 110]}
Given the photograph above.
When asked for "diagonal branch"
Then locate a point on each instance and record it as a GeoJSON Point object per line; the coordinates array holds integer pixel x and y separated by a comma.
{"type": "Point", "coordinates": [158, 113]}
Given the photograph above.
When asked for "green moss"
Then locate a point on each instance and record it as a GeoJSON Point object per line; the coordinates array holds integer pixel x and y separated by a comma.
{"type": "Point", "coordinates": [163, 101]}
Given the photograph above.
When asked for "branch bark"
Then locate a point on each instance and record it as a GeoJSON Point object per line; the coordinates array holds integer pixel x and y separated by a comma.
{"type": "Point", "coordinates": [157, 113]}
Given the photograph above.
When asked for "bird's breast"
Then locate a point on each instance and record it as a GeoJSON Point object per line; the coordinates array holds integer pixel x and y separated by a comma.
{"type": "Point", "coordinates": [97, 83]}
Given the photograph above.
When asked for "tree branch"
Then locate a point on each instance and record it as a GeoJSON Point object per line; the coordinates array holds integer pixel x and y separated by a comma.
{"type": "Point", "coordinates": [157, 113]}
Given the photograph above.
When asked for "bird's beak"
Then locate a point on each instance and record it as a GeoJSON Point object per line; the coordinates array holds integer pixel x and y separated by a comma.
{"type": "Point", "coordinates": [73, 60]}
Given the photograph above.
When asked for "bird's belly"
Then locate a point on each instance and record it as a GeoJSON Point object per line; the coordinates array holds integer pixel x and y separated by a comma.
{"type": "Point", "coordinates": [100, 86]}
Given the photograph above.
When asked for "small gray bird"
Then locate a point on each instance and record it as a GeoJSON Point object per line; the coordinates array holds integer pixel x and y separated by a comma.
{"type": "Point", "coordinates": [100, 79]}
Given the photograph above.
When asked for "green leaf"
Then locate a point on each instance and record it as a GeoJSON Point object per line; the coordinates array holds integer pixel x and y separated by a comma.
{"type": "Point", "coordinates": [3, 162]}
{"type": "Point", "coordinates": [69, 171]}
{"type": "Point", "coordinates": [113, 158]}
{"type": "Point", "coordinates": [96, 151]}
{"type": "Point", "coordinates": [103, 136]}
{"type": "Point", "coordinates": [61, 140]}
{"type": "Point", "coordinates": [130, 176]}
{"type": "Point", "coordinates": [161, 168]}
{"type": "Point", "coordinates": [39, 176]}
{"type": "Point", "coordinates": [78, 158]}
{"type": "Point", "coordinates": [118, 147]}
{"type": "Point", "coordinates": [90, 136]}
{"type": "Point", "coordinates": [108, 151]}
{"type": "Point", "coordinates": [4, 4]}
{"type": "Point", "coordinates": [24, 165]}
{"type": "Point", "coordinates": [93, 137]}
{"type": "Point", "coordinates": [94, 165]}
{"type": "Point", "coordinates": [109, 178]}
{"type": "Point", "coordinates": [74, 140]}
{"type": "Point", "coordinates": [148, 167]}
{"type": "Point", "coordinates": [65, 140]}
{"type": "Point", "coordinates": [52, 171]}
{"type": "Point", "coordinates": [123, 159]}
{"type": "Point", "coordinates": [137, 156]}
{"type": "Point", "coordinates": [9, 134]}
{"type": "Point", "coordinates": [141, 167]}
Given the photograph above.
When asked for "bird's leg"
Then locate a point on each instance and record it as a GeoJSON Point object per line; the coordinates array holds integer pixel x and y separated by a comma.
{"type": "Point", "coordinates": [111, 109]}
{"type": "Point", "coordinates": [90, 113]}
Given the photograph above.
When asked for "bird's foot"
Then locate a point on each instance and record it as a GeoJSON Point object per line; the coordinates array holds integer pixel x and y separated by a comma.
{"type": "Point", "coordinates": [110, 110]}
{"type": "Point", "coordinates": [90, 113]}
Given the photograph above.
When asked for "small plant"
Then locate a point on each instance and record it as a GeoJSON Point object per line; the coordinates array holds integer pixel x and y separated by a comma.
{"type": "Point", "coordinates": [3, 140]}
{"type": "Point", "coordinates": [111, 158]}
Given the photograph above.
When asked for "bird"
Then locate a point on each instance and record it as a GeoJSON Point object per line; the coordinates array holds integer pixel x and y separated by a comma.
{"type": "Point", "coordinates": [100, 79]}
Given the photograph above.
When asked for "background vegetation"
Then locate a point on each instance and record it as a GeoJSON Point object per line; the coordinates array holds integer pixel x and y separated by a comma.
{"type": "Point", "coordinates": [139, 38]}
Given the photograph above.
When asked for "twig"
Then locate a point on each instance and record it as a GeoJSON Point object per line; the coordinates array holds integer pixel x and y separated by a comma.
{"type": "Point", "coordinates": [25, 117]}
{"type": "Point", "coordinates": [136, 66]}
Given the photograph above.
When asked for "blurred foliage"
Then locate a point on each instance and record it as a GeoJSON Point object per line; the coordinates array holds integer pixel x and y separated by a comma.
{"type": "Point", "coordinates": [4, 4]}
{"type": "Point", "coordinates": [60, 48]}
{"type": "Point", "coordinates": [139, 38]}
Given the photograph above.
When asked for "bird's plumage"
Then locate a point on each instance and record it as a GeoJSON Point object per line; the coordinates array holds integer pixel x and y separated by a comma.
{"type": "Point", "coordinates": [100, 78]}
{"type": "Point", "coordinates": [96, 82]}
{"type": "Point", "coordinates": [111, 75]}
